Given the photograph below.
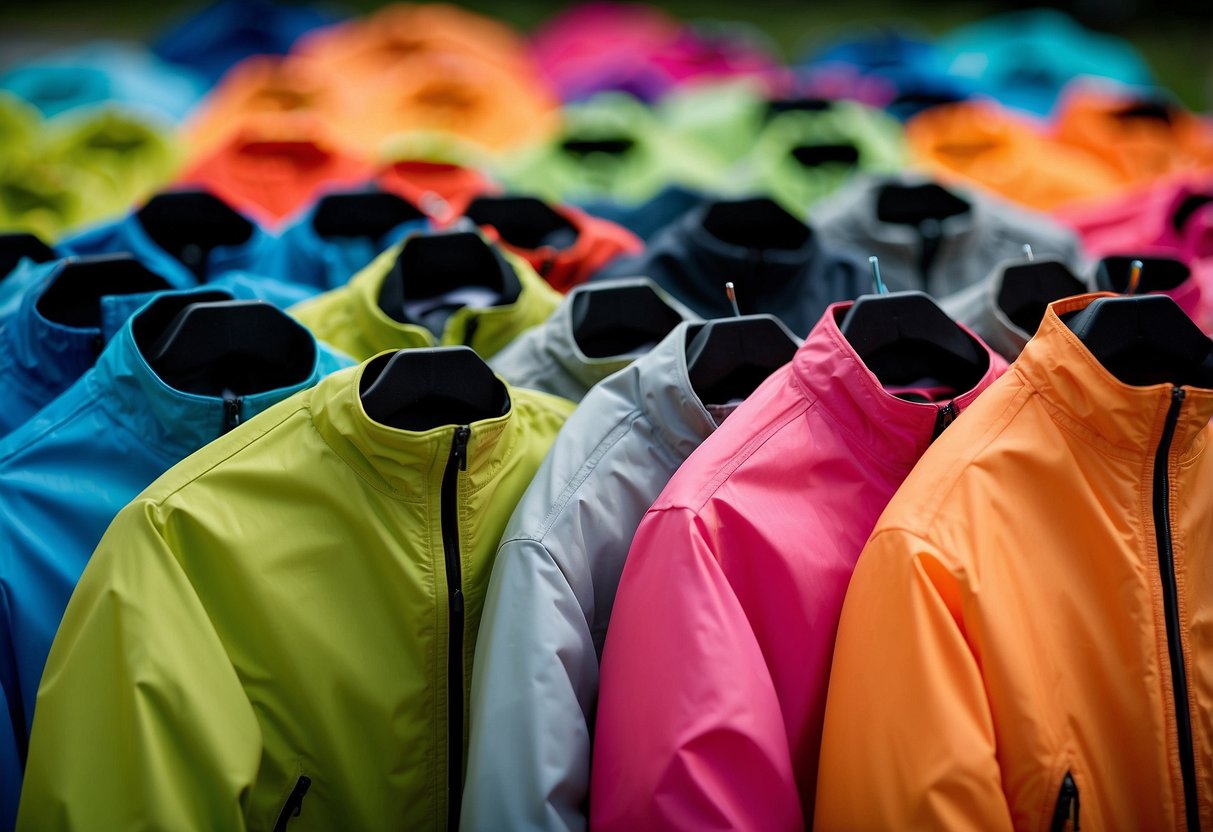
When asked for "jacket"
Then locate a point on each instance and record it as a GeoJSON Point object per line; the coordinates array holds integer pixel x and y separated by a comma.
{"type": "Point", "coordinates": [802, 156]}
{"type": "Point", "coordinates": [185, 259]}
{"type": "Point", "coordinates": [549, 358]}
{"type": "Point", "coordinates": [65, 474]}
{"type": "Point", "coordinates": [295, 610]}
{"type": "Point", "coordinates": [322, 249]}
{"type": "Point", "coordinates": [1163, 217]}
{"type": "Point", "coordinates": [1143, 136]}
{"type": "Point", "coordinates": [777, 264]}
{"type": "Point", "coordinates": [1031, 640]}
{"type": "Point", "coordinates": [978, 144]}
{"type": "Point", "coordinates": [275, 166]}
{"type": "Point", "coordinates": [981, 306]}
{"type": "Point", "coordinates": [565, 245]}
{"type": "Point", "coordinates": [937, 239]}
{"type": "Point", "coordinates": [711, 695]}
{"type": "Point", "coordinates": [53, 331]}
{"type": "Point", "coordinates": [545, 618]}
{"type": "Point", "coordinates": [351, 319]}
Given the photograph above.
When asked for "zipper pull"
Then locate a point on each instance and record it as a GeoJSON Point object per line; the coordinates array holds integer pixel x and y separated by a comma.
{"type": "Point", "coordinates": [944, 416]}
{"type": "Point", "coordinates": [233, 410]}
{"type": "Point", "coordinates": [459, 447]}
{"type": "Point", "coordinates": [1177, 395]}
{"type": "Point", "coordinates": [1067, 806]}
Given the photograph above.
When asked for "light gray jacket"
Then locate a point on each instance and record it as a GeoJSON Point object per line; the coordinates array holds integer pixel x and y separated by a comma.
{"type": "Point", "coordinates": [535, 678]}
{"type": "Point", "coordinates": [970, 244]}
{"type": "Point", "coordinates": [549, 359]}
{"type": "Point", "coordinates": [978, 308]}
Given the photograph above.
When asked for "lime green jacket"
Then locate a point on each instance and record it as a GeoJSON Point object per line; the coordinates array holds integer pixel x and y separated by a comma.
{"type": "Point", "coordinates": [350, 319]}
{"type": "Point", "coordinates": [263, 637]}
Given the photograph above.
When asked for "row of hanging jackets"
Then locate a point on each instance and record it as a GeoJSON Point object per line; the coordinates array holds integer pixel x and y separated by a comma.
{"type": "Point", "coordinates": [358, 577]}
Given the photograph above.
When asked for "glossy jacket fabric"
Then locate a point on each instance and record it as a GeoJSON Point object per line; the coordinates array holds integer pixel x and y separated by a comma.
{"type": "Point", "coordinates": [777, 264]}
{"type": "Point", "coordinates": [43, 354]}
{"type": "Point", "coordinates": [549, 600]}
{"type": "Point", "coordinates": [350, 318]}
{"type": "Point", "coordinates": [65, 474]}
{"type": "Point", "coordinates": [565, 245]}
{"type": "Point", "coordinates": [313, 254]}
{"type": "Point", "coordinates": [957, 244]}
{"type": "Point", "coordinates": [716, 662]}
{"type": "Point", "coordinates": [194, 261]}
{"type": "Point", "coordinates": [1164, 217]}
{"type": "Point", "coordinates": [989, 647]}
{"type": "Point", "coordinates": [548, 357]}
{"type": "Point", "coordinates": [278, 603]}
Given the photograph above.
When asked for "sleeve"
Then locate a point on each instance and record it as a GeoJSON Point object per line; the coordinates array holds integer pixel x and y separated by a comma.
{"type": "Point", "coordinates": [141, 721]}
{"type": "Point", "coordinates": [909, 738]}
{"type": "Point", "coordinates": [534, 683]}
{"type": "Point", "coordinates": [689, 732]}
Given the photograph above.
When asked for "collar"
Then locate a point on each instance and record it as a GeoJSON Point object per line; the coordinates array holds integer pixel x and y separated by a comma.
{"type": "Point", "coordinates": [667, 398]}
{"type": "Point", "coordinates": [559, 344]}
{"type": "Point", "coordinates": [52, 354]}
{"type": "Point", "coordinates": [405, 464]}
{"type": "Point", "coordinates": [166, 419]}
{"type": "Point", "coordinates": [832, 375]}
{"type": "Point", "coordinates": [1082, 394]}
{"type": "Point", "coordinates": [861, 203]}
{"type": "Point", "coordinates": [779, 266]}
{"type": "Point", "coordinates": [384, 332]}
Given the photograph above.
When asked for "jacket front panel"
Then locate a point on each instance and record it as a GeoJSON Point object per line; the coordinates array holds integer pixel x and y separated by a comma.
{"type": "Point", "coordinates": [278, 606]}
{"type": "Point", "coordinates": [535, 687]}
{"type": "Point", "coordinates": [709, 713]}
{"type": "Point", "coordinates": [990, 646]}
{"type": "Point", "coordinates": [350, 319]}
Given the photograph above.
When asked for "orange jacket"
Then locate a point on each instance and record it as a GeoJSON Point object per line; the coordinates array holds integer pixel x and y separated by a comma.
{"type": "Point", "coordinates": [1141, 140]}
{"type": "Point", "coordinates": [276, 165]}
{"type": "Point", "coordinates": [1006, 627]}
{"type": "Point", "coordinates": [981, 144]}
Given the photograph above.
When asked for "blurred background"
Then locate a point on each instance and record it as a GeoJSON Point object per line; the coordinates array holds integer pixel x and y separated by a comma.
{"type": "Point", "coordinates": [1175, 36]}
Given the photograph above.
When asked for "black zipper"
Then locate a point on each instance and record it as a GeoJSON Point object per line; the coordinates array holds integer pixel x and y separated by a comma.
{"type": "Point", "coordinates": [1170, 600]}
{"type": "Point", "coordinates": [294, 803]}
{"type": "Point", "coordinates": [1067, 805]}
{"type": "Point", "coordinates": [932, 237]}
{"type": "Point", "coordinates": [456, 462]}
{"type": "Point", "coordinates": [469, 331]}
{"type": "Point", "coordinates": [944, 416]}
{"type": "Point", "coordinates": [233, 410]}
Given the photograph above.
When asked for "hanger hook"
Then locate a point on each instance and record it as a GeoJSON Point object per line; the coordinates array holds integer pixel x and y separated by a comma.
{"type": "Point", "coordinates": [732, 296]}
{"type": "Point", "coordinates": [881, 289]}
{"type": "Point", "coordinates": [1134, 277]}
{"type": "Point", "coordinates": [1027, 253]}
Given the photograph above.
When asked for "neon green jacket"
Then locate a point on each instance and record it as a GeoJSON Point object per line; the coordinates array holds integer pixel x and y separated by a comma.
{"type": "Point", "coordinates": [350, 318]}
{"type": "Point", "coordinates": [264, 634]}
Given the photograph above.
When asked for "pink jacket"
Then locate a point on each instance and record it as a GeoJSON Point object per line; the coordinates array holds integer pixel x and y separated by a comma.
{"type": "Point", "coordinates": [717, 656]}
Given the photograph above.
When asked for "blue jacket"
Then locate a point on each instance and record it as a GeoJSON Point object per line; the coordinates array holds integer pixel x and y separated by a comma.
{"type": "Point", "coordinates": [308, 256]}
{"type": "Point", "coordinates": [248, 259]}
{"type": "Point", "coordinates": [209, 42]}
{"type": "Point", "coordinates": [63, 477]}
{"type": "Point", "coordinates": [40, 357]}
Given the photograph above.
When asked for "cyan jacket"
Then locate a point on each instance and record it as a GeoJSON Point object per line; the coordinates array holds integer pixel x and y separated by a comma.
{"type": "Point", "coordinates": [549, 358]}
{"type": "Point", "coordinates": [65, 474]}
{"type": "Point", "coordinates": [535, 685]}
{"type": "Point", "coordinates": [281, 628]}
